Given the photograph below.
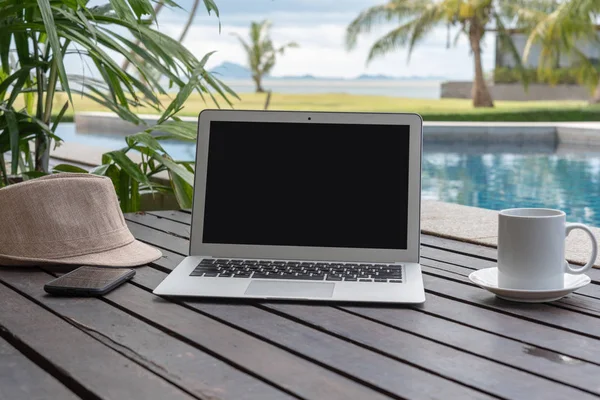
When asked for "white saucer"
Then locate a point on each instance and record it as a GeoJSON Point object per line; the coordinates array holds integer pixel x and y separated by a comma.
{"type": "Point", "coordinates": [488, 279]}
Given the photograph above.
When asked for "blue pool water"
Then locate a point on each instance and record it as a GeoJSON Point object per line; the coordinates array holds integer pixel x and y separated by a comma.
{"type": "Point", "coordinates": [568, 179]}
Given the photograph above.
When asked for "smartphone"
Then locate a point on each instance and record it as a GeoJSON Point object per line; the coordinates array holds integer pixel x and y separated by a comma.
{"type": "Point", "coordinates": [89, 281]}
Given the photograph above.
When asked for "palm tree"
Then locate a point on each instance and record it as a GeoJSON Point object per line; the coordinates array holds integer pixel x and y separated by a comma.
{"type": "Point", "coordinates": [418, 18]}
{"type": "Point", "coordinates": [562, 31]}
{"type": "Point", "coordinates": [261, 52]}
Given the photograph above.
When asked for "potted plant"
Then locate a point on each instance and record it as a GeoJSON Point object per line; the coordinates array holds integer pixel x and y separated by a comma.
{"type": "Point", "coordinates": [35, 39]}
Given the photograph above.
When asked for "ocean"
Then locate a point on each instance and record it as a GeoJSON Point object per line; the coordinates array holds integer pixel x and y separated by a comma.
{"type": "Point", "coordinates": [417, 89]}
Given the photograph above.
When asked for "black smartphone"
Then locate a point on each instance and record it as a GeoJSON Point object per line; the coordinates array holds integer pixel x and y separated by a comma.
{"type": "Point", "coordinates": [89, 281]}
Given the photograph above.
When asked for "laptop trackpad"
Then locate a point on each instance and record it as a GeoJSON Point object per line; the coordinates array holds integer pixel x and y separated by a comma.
{"type": "Point", "coordinates": [290, 289]}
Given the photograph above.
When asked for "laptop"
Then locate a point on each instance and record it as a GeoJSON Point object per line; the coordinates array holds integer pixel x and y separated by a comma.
{"type": "Point", "coordinates": [304, 205]}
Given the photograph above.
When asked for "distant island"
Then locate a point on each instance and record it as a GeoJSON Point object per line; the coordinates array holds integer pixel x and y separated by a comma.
{"type": "Point", "coordinates": [230, 70]}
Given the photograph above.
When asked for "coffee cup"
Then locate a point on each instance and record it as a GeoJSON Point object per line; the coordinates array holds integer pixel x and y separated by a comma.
{"type": "Point", "coordinates": [531, 249]}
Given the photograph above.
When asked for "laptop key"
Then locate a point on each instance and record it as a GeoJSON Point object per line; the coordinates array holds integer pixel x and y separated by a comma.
{"type": "Point", "coordinates": [211, 274]}
{"type": "Point", "coordinates": [380, 280]}
{"type": "Point", "coordinates": [365, 280]}
{"type": "Point", "coordinates": [334, 278]}
{"type": "Point", "coordinates": [349, 279]}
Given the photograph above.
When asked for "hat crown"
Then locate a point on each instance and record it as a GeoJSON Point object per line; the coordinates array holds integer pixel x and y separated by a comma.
{"type": "Point", "coordinates": [61, 215]}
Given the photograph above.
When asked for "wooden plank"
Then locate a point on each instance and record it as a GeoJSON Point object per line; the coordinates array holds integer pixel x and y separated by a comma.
{"type": "Point", "coordinates": [173, 215]}
{"type": "Point", "coordinates": [459, 247]}
{"type": "Point", "coordinates": [327, 350]}
{"type": "Point", "coordinates": [552, 365]}
{"type": "Point", "coordinates": [541, 313]}
{"type": "Point", "coordinates": [588, 304]}
{"type": "Point", "coordinates": [286, 334]}
{"type": "Point", "coordinates": [162, 224]}
{"type": "Point", "coordinates": [281, 368]}
{"type": "Point", "coordinates": [479, 373]}
{"type": "Point", "coordinates": [476, 251]}
{"type": "Point", "coordinates": [168, 261]}
{"type": "Point", "coordinates": [199, 373]}
{"type": "Point", "coordinates": [449, 256]}
{"type": "Point", "coordinates": [82, 363]}
{"type": "Point", "coordinates": [538, 337]}
{"type": "Point", "coordinates": [21, 378]}
{"type": "Point", "coordinates": [159, 239]}
{"type": "Point", "coordinates": [462, 258]}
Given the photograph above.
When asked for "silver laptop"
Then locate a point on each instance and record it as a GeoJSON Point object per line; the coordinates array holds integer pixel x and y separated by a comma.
{"type": "Point", "coordinates": [305, 205]}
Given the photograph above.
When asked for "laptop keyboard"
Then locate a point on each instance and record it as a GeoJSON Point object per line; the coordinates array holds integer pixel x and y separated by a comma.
{"type": "Point", "coordinates": [311, 271]}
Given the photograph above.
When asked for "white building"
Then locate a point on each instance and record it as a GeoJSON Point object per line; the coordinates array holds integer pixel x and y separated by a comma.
{"type": "Point", "coordinates": [504, 59]}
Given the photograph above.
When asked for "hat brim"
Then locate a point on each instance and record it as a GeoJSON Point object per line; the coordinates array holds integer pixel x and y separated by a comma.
{"type": "Point", "coordinates": [133, 254]}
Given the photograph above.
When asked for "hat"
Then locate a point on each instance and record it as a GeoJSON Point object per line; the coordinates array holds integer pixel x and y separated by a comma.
{"type": "Point", "coordinates": [67, 219]}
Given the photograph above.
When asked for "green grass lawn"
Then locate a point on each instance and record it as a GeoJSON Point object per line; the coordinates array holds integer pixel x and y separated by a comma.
{"type": "Point", "coordinates": [431, 110]}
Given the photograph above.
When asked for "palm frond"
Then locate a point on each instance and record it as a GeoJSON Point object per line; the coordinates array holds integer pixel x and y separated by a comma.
{"type": "Point", "coordinates": [394, 10]}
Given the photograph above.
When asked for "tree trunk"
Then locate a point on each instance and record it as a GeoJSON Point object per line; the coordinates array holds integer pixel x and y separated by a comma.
{"type": "Point", "coordinates": [258, 83]}
{"type": "Point", "coordinates": [480, 93]}
{"type": "Point", "coordinates": [596, 98]}
{"type": "Point", "coordinates": [189, 21]}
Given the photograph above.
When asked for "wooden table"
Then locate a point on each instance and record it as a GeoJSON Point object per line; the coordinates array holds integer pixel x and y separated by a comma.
{"type": "Point", "coordinates": [463, 343]}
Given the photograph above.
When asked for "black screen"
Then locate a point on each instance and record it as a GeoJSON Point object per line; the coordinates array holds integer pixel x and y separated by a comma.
{"type": "Point", "coordinates": [307, 184]}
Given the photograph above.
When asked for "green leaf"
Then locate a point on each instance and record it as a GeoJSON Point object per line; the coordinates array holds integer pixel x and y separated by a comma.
{"type": "Point", "coordinates": [123, 191]}
{"type": "Point", "coordinates": [145, 139]}
{"type": "Point", "coordinates": [34, 174]}
{"type": "Point", "coordinates": [48, 18]}
{"type": "Point", "coordinates": [184, 193]}
{"type": "Point", "coordinates": [127, 166]}
{"type": "Point", "coordinates": [121, 9]}
{"type": "Point", "coordinates": [135, 196]}
{"type": "Point", "coordinates": [4, 180]}
{"type": "Point", "coordinates": [179, 100]}
{"type": "Point", "coordinates": [69, 168]}
{"type": "Point", "coordinates": [59, 117]}
{"type": "Point", "coordinates": [13, 132]}
{"type": "Point", "coordinates": [178, 130]}
{"type": "Point", "coordinates": [109, 170]}
{"type": "Point", "coordinates": [141, 7]}
{"type": "Point", "coordinates": [176, 168]}
{"type": "Point", "coordinates": [100, 170]}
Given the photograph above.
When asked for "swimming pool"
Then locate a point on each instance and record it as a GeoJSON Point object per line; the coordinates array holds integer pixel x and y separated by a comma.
{"type": "Point", "coordinates": [568, 179]}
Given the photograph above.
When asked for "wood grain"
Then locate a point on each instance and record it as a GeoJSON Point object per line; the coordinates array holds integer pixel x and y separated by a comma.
{"type": "Point", "coordinates": [282, 369]}
{"type": "Point", "coordinates": [545, 363]}
{"type": "Point", "coordinates": [201, 374]}
{"type": "Point", "coordinates": [540, 313]}
{"type": "Point", "coordinates": [174, 215]}
{"type": "Point", "coordinates": [86, 366]}
{"type": "Point", "coordinates": [346, 358]}
{"type": "Point", "coordinates": [21, 378]}
{"type": "Point", "coordinates": [448, 362]}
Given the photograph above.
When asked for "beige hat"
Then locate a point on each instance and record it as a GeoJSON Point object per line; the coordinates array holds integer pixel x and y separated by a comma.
{"type": "Point", "coordinates": [67, 219]}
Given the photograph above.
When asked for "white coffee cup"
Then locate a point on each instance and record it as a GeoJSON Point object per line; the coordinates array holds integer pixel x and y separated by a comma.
{"type": "Point", "coordinates": [531, 249]}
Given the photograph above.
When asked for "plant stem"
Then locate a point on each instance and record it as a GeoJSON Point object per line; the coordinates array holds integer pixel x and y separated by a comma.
{"type": "Point", "coordinates": [50, 90]}
{"type": "Point", "coordinates": [3, 170]}
{"type": "Point", "coordinates": [40, 80]}
{"type": "Point", "coordinates": [40, 137]}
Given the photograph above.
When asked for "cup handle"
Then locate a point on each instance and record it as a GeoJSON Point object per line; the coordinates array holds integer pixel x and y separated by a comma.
{"type": "Point", "coordinates": [592, 259]}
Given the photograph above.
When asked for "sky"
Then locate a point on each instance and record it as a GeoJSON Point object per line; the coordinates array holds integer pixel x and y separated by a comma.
{"type": "Point", "coordinates": [318, 26]}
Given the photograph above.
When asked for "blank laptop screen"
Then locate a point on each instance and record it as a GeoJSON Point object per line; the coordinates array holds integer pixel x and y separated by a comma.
{"type": "Point", "coordinates": [307, 184]}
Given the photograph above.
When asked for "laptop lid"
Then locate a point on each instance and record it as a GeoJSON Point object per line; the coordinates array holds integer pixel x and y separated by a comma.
{"type": "Point", "coordinates": [307, 186]}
